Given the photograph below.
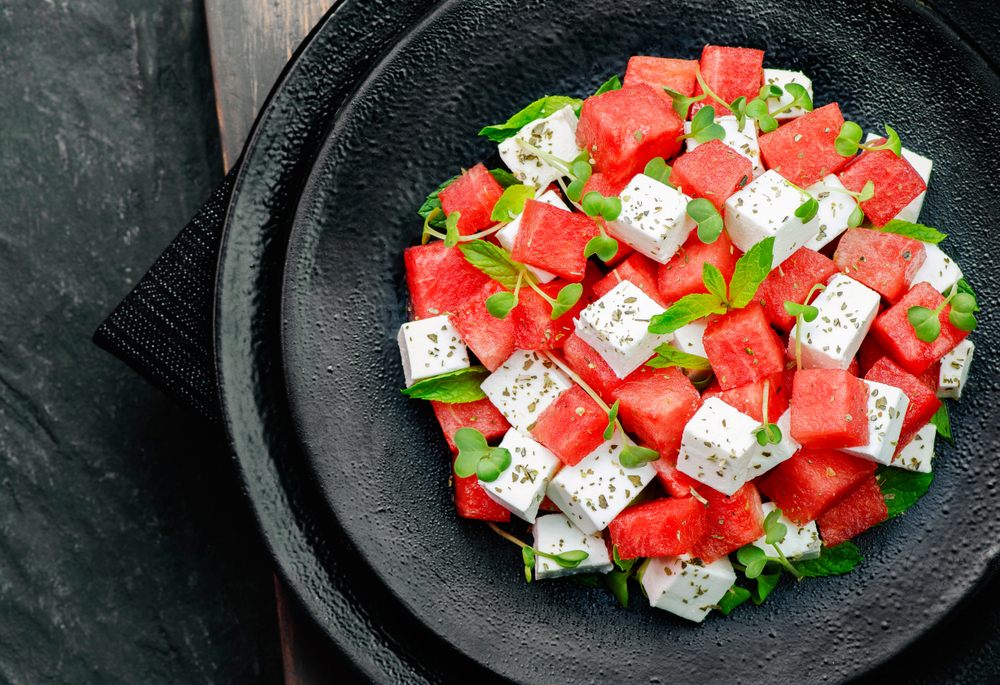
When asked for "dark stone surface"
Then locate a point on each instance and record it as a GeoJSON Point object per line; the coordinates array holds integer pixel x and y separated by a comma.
{"type": "Point", "coordinates": [126, 552]}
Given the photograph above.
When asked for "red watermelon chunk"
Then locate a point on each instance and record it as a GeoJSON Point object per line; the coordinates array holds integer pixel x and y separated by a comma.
{"type": "Point", "coordinates": [591, 367]}
{"type": "Point", "coordinates": [439, 279]}
{"type": "Point", "coordinates": [803, 150]}
{"type": "Point", "coordinates": [473, 194]}
{"type": "Point", "coordinates": [640, 270]}
{"type": "Point", "coordinates": [682, 274]}
{"type": "Point", "coordinates": [660, 72]}
{"type": "Point", "coordinates": [553, 239]}
{"type": "Point", "coordinates": [674, 481]}
{"type": "Point", "coordinates": [885, 262]}
{"type": "Point", "coordinates": [923, 401]}
{"type": "Point", "coordinates": [481, 415]}
{"type": "Point", "coordinates": [572, 426]}
{"type": "Point", "coordinates": [893, 332]}
{"type": "Point", "coordinates": [829, 409]}
{"type": "Point", "coordinates": [742, 347]}
{"type": "Point", "coordinates": [814, 481]}
{"type": "Point", "coordinates": [791, 281]}
{"type": "Point", "coordinates": [534, 328]}
{"type": "Point", "coordinates": [598, 182]}
{"type": "Point", "coordinates": [732, 522]}
{"type": "Point", "coordinates": [855, 514]}
{"type": "Point", "coordinates": [897, 183]}
{"type": "Point", "coordinates": [713, 171]}
{"type": "Point", "coordinates": [658, 528]}
{"type": "Point", "coordinates": [624, 129]}
{"type": "Point", "coordinates": [655, 405]}
{"type": "Point", "coordinates": [472, 502]}
{"type": "Point", "coordinates": [749, 399]}
{"type": "Point", "coordinates": [869, 353]}
{"type": "Point", "coordinates": [730, 73]}
{"type": "Point", "coordinates": [490, 339]}
{"type": "Point", "coordinates": [930, 377]}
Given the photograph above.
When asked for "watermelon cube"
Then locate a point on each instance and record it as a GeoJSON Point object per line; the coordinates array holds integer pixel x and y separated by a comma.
{"type": "Point", "coordinates": [923, 402]}
{"type": "Point", "coordinates": [742, 347]}
{"type": "Point", "coordinates": [572, 426]}
{"type": "Point", "coordinates": [813, 481]}
{"type": "Point", "coordinates": [658, 528]}
{"type": "Point", "coordinates": [591, 367]}
{"type": "Point", "coordinates": [791, 282]}
{"type": "Point", "coordinates": [885, 262]}
{"type": "Point", "coordinates": [661, 72]}
{"type": "Point", "coordinates": [491, 339]}
{"type": "Point", "coordinates": [803, 150]}
{"type": "Point", "coordinates": [829, 409]}
{"type": "Point", "coordinates": [473, 194]}
{"type": "Point", "coordinates": [894, 334]}
{"type": "Point", "coordinates": [439, 279]}
{"type": "Point", "coordinates": [675, 482]}
{"type": "Point", "coordinates": [730, 73]}
{"type": "Point", "coordinates": [640, 270]}
{"type": "Point", "coordinates": [481, 415]}
{"type": "Point", "coordinates": [534, 328]}
{"type": "Point", "coordinates": [553, 239]}
{"type": "Point", "coordinates": [855, 514]}
{"type": "Point", "coordinates": [655, 404]}
{"type": "Point", "coordinates": [743, 141]}
{"type": "Point", "coordinates": [869, 353]}
{"type": "Point", "coordinates": [732, 522]}
{"type": "Point", "coordinates": [682, 274]}
{"type": "Point", "coordinates": [897, 183]}
{"type": "Point", "coordinates": [713, 171]}
{"type": "Point", "coordinates": [749, 398]}
{"type": "Point", "coordinates": [923, 166]}
{"type": "Point", "coordinates": [507, 236]}
{"type": "Point", "coordinates": [472, 502]}
{"type": "Point", "coordinates": [624, 129]}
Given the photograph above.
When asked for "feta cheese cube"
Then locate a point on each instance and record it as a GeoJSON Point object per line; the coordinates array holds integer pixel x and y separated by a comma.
{"type": "Point", "coordinates": [923, 166]}
{"type": "Point", "coordinates": [886, 409]}
{"type": "Point", "coordinates": [781, 78]}
{"type": "Point", "coordinates": [521, 486]}
{"type": "Point", "coordinates": [688, 590]}
{"type": "Point", "coordinates": [555, 534]}
{"type": "Point", "coordinates": [938, 269]}
{"type": "Point", "coordinates": [654, 218]}
{"type": "Point", "coordinates": [596, 490]}
{"type": "Point", "coordinates": [430, 347]}
{"type": "Point", "coordinates": [800, 543]}
{"type": "Point", "coordinates": [617, 326]}
{"type": "Point", "coordinates": [834, 211]}
{"type": "Point", "coordinates": [955, 370]}
{"type": "Point", "coordinates": [524, 386]}
{"type": "Point", "coordinates": [507, 235]}
{"type": "Point", "coordinates": [917, 454]}
{"type": "Point", "coordinates": [688, 338]}
{"type": "Point", "coordinates": [765, 207]}
{"type": "Point", "coordinates": [555, 134]}
{"type": "Point", "coordinates": [846, 312]}
{"type": "Point", "coordinates": [769, 456]}
{"type": "Point", "coordinates": [718, 445]}
{"type": "Point", "coordinates": [744, 142]}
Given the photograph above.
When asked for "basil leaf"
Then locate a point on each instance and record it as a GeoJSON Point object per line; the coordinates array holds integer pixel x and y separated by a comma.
{"type": "Point", "coordinates": [504, 178]}
{"type": "Point", "coordinates": [901, 488]}
{"type": "Point", "coordinates": [511, 203]}
{"type": "Point", "coordinates": [455, 387]}
{"type": "Point", "coordinates": [943, 423]}
{"type": "Point", "coordinates": [714, 280]}
{"type": "Point", "coordinates": [751, 270]}
{"type": "Point", "coordinates": [687, 309]}
{"type": "Point", "coordinates": [733, 598]}
{"type": "Point", "coordinates": [612, 83]}
{"type": "Point", "coordinates": [539, 109]}
{"type": "Point", "coordinates": [667, 355]}
{"type": "Point", "coordinates": [492, 261]}
{"type": "Point", "coordinates": [832, 561]}
{"type": "Point", "coordinates": [924, 234]}
{"type": "Point", "coordinates": [434, 202]}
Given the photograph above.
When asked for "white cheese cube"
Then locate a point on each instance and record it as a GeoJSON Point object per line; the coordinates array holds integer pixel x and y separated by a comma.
{"type": "Point", "coordinates": [781, 78]}
{"type": "Point", "coordinates": [688, 338]}
{"type": "Point", "coordinates": [507, 235]}
{"type": "Point", "coordinates": [744, 142]}
{"type": "Point", "coordinates": [524, 386]}
{"type": "Point", "coordinates": [617, 326]}
{"type": "Point", "coordinates": [769, 456]}
{"type": "Point", "coordinates": [654, 218]}
{"type": "Point", "coordinates": [718, 445]}
{"type": "Point", "coordinates": [555, 134]}
{"type": "Point", "coordinates": [688, 590]}
{"type": "Point", "coordinates": [886, 409]}
{"type": "Point", "coordinates": [555, 534]}
{"type": "Point", "coordinates": [834, 211]}
{"type": "Point", "coordinates": [800, 543]}
{"type": "Point", "coordinates": [765, 208]}
{"type": "Point", "coordinates": [938, 269]}
{"type": "Point", "coordinates": [923, 166]}
{"type": "Point", "coordinates": [596, 490]}
{"type": "Point", "coordinates": [846, 312]}
{"type": "Point", "coordinates": [430, 347]}
{"type": "Point", "coordinates": [955, 370]}
{"type": "Point", "coordinates": [521, 486]}
{"type": "Point", "coordinates": [917, 454]}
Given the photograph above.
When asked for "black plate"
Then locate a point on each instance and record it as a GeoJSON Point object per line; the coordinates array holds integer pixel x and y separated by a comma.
{"type": "Point", "coordinates": [349, 478]}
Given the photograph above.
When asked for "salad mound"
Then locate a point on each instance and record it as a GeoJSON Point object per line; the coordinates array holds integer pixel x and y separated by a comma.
{"type": "Point", "coordinates": [693, 332]}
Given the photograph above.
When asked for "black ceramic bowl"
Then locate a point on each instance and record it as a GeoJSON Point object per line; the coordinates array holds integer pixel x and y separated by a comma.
{"type": "Point", "coordinates": [349, 478]}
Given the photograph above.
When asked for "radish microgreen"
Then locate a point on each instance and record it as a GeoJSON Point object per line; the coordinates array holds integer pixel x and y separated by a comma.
{"type": "Point", "coordinates": [539, 109]}
{"type": "Point", "coordinates": [658, 170]}
{"type": "Point", "coordinates": [707, 217]}
{"type": "Point", "coordinates": [757, 109]}
{"type": "Point", "coordinates": [849, 141]}
{"type": "Point", "coordinates": [738, 108]}
{"type": "Point", "coordinates": [766, 119]}
{"type": "Point", "coordinates": [703, 126]}
{"type": "Point", "coordinates": [598, 207]}
{"type": "Point", "coordinates": [452, 388]}
{"type": "Point", "coordinates": [804, 312]}
{"type": "Point", "coordinates": [612, 417]}
{"type": "Point", "coordinates": [667, 356]}
{"type": "Point", "coordinates": [807, 210]}
{"type": "Point", "coordinates": [569, 559]}
{"type": "Point", "coordinates": [926, 322]}
{"type": "Point", "coordinates": [681, 102]}
{"type": "Point", "coordinates": [769, 434]}
{"type": "Point", "coordinates": [476, 457]}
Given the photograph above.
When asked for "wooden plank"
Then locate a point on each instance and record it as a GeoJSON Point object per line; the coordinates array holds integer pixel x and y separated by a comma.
{"type": "Point", "coordinates": [250, 42]}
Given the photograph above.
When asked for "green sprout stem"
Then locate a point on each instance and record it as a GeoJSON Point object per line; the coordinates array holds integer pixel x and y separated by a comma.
{"type": "Point", "coordinates": [799, 322]}
{"type": "Point", "coordinates": [428, 231]}
{"type": "Point", "coordinates": [562, 185]}
{"type": "Point", "coordinates": [767, 423]}
{"type": "Point", "coordinates": [785, 563]}
{"type": "Point", "coordinates": [531, 282]}
{"type": "Point", "coordinates": [709, 91]}
{"type": "Point", "coordinates": [560, 164]}
{"type": "Point", "coordinates": [520, 543]}
{"type": "Point", "coordinates": [832, 189]}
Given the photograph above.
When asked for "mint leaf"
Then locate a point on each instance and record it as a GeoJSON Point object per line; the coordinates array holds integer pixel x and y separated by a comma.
{"type": "Point", "coordinates": [434, 202]}
{"type": "Point", "coordinates": [765, 583]}
{"type": "Point", "coordinates": [539, 109]}
{"type": "Point", "coordinates": [925, 234]}
{"type": "Point", "coordinates": [594, 580]}
{"type": "Point", "coordinates": [751, 270]}
{"type": "Point", "coordinates": [612, 83]}
{"type": "Point", "coordinates": [617, 582]}
{"type": "Point", "coordinates": [714, 281]}
{"type": "Point", "coordinates": [504, 178]}
{"type": "Point", "coordinates": [687, 309]}
{"type": "Point", "coordinates": [623, 564]}
{"type": "Point", "coordinates": [667, 355]}
{"type": "Point", "coordinates": [832, 561]}
{"type": "Point", "coordinates": [941, 420]}
{"type": "Point", "coordinates": [455, 387]}
{"type": "Point", "coordinates": [492, 261]}
{"type": "Point", "coordinates": [511, 203]}
{"type": "Point", "coordinates": [733, 598]}
{"type": "Point", "coordinates": [901, 488]}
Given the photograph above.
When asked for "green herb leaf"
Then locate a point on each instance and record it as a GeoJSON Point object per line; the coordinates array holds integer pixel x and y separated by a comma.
{"type": "Point", "coordinates": [623, 564]}
{"type": "Point", "coordinates": [471, 448]}
{"type": "Point", "coordinates": [612, 417]}
{"type": "Point", "coordinates": [617, 583]}
{"type": "Point", "coordinates": [434, 202]}
{"type": "Point", "coordinates": [771, 520]}
{"type": "Point", "coordinates": [733, 598]}
{"type": "Point", "coordinates": [539, 109]}
{"type": "Point", "coordinates": [591, 580]}
{"type": "Point", "coordinates": [765, 583]}
{"type": "Point", "coordinates": [776, 533]}
{"type": "Point", "coordinates": [770, 91]}
{"type": "Point", "coordinates": [612, 83]}
{"type": "Point", "coordinates": [605, 247]}
{"type": "Point", "coordinates": [492, 261]}
{"type": "Point", "coordinates": [962, 315]}
{"type": "Point", "coordinates": [769, 434]}
{"type": "Point", "coordinates": [493, 464]}
{"type": "Point", "coordinates": [747, 554]}
{"type": "Point", "coordinates": [807, 210]}
{"type": "Point", "coordinates": [574, 191]}
{"type": "Point", "coordinates": [703, 126]}
{"type": "Point", "coordinates": [849, 139]}
{"type": "Point", "coordinates": [582, 170]}
{"type": "Point", "coordinates": [687, 309]}
{"type": "Point", "coordinates": [707, 217]}
{"type": "Point", "coordinates": [800, 97]}
{"type": "Point", "coordinates": [633, 456]}
{"type": "Point", "coordinates": [806, 311]}
{"type": "Point", "coordinates": [511, 203]}
{"type": "Point", "coordinates": [943, 423]}
{"type": "Point", "coordinates": [856, 217]}
{"type": "Point", "coordinates": [714, 281]}
{"type": "Point", "coordinates": [500, 304]}
{"type": "Point", "coordinates": [964, 287]}
{"type": "Point", "coordinates": [528, 556]}
{"type": "Point", "coordinates": [570, 559]}
{"type": "Point", "coordinates": [682, 103]}
{"type": "Point", "coordinates": [454, 387]}
{"type": "Point", "coordinates": [658, 170]}
{"type": "Point", "coordinates": [925, 234]}
{"type": "Point", "coordinates": [901, 488]}
{"type": "Point", "coordinates": [867, 191]}
{"type": "Point", "coordinates": [592, 203]}
{"type": "Point", "coordinates": [504, 178]}
{"type": "Point", "coordinates": [832, 561]}
{"type": "Point", "coordinates": [611, 208]}
{"type": "Point", "coordinates": [925, 322]}
{"type": "Point", "coordinates": [667, 355]}
{"type": "Point", "coordinates": [892, 143]}
{"type": "Point", "coordinates": [751, 270]}
{"type": "Point", "coordinates": [757, 109]}
{"type": "Point", "coordinates": [566, 299]}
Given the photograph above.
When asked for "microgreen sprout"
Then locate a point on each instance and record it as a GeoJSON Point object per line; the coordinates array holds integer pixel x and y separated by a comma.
{"type": "Point", "coordinates": [926, 322]}
{"type": "Point", "coordinates": [766, 119]}
{"type": "Point", "coordinates": [849, 141]}
{"type": "Point", "coordinates": [476, 457]}
{"type": "Point", "coordinates": [769, 434]}
{"type": "Point", "coordinates": [681, 102]}
{"type": "Point", "coordinates": [757, 109]}
{"type": "Point", "coordinates": [804, 312]}
{"type": "Point", "coordinates": [612, 417]}
{"type": "Point", "coordinates": [807, 210]}
{"type": "Point", "coordinates": [755, 559]}
{"type": "Point", "coordinates": [658, 170]}
{"type": "Point", "coordinates": [582, 172]}
{"type": "Point", "coordinates": [707, 217]}
{"type": "Point", "coordinates": [703, 126]}
{"type": "Point", "coordinates": [738, 108]}
{"type": "Point", "coordinates": [598, 207]}
{"type": "Point", "coordinates": [451, 236]}
{"type": "Point", "coordinates": [569, 559]}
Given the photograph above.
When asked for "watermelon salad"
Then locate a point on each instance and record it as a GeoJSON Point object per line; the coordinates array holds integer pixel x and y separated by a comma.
{"type": "Point", "coordinates": [691, 332]}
